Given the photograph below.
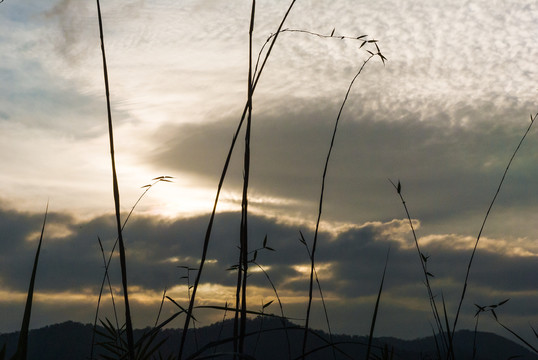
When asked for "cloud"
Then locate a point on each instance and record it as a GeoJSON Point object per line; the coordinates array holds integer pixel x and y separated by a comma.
{"type": "Point", "coordinates": [449, 171]}
{"type": "Point", "coordinates": [349, 265]}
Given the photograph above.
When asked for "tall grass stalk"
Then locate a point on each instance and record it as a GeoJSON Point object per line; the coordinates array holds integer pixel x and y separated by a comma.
{"type": "Point", "coordinates": [423, 262]}
{"type": "Point", "coordinates": [322, 193]}
{"type": "Point", "coordinates": [22, 346]}
{"type": "Point", "coordinates": [219, 188]}
{"type": "Point", "coordinates": [242, 269]}
{"type": "Point", "coordinates": [123, 262]}
{"type": "Point", "coordinates": [464, 290]}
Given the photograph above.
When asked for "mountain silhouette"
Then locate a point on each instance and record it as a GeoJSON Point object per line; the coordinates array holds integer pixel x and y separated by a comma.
{"type": "Point", "coordinates": [268, 339]}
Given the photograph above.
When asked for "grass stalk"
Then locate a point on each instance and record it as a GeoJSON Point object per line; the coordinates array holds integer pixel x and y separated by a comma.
{"type": "Point", "coordinates": [123, 262]}
{"type": "Point", "coordinates": [219, 188]}
{"type": "Point", "coordinates": [320, 209]}
{"type": "Point", "coordinates": [283, 318]}
{"type": "Point", "coordinates": [22, 346]}
{"type": "Point", "coordinates": [106, 278]}
{"type": "Point", "coordinates": [324, 305]}
{"type": "Point", "coordinates": [376, 309]}
{"type": "Point", "coordinates": [160, 308]}
{"type": "Point", "coordinates": [423, 260]}
{"type": "Point", "coordinates": [243, 268]}
{"type": "Point", "coordinates": [463, 292]}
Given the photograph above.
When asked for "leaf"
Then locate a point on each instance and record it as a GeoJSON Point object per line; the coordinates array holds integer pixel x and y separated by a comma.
{"type": "Point", "coordinates": [255, 256]}
{"type": "Point", "coordinates": [269, 248]}
{"type": "Point", "coordinates": [267, 304]}
{"type": "Point", "coordinates": [382, 58]}
{"type": "Point", "coordinates": [22, 346]}
{"type": "Point", "coordinates": [372, 41]}
{"type": "Point", "coordinates": [534, 331]}
{"type": "Point", "coordinates": [363, 42]}
{"type": "Point", "coordinates": [145, 186]}
{"type": "Point", "coordinates": [371, 53]}
{"type": "Point", "coordinates": [265, 241]}
{"type": "Point", "coordinates": [429, 274]}
{"type": "Point", "coordinates": [377, 47]}
{"type": "Point", "coordinates": [399, 187]}
{"type": "Point", "coordinates": [360, 37]}
{"type": "Point", "coordinates": [494, 315]}
{"type": "Point", "coordinates": [301, 239]}
{"type": "Point", "coordinates": [424, 258]}
{"type": "Point", "coordinates": [503, 302]}
{"type": "Point", "coordinates": [179, 306]}
{"type": "Point", "coordinates": [332, 33]}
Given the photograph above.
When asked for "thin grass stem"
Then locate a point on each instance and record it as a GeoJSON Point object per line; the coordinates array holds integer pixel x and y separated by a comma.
{"type": "Point", "coordinates": [324, 305]}
{"type": "Point", "coordinates": [107, 262]}
{"type": "Point", "coordinates": [106, 278]}
{"type": "Point", "coordinates": [320, 210]}
{"type": "Point", "coordinates": [464, 290]}
{"type": "Point", "coordinates": [284, 325]}
{"type": "Point", "coordinates": [423, 259]}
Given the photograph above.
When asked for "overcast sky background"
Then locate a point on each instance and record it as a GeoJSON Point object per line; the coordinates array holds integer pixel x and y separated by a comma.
{"type": "Point", "coordinates": [443, 116]}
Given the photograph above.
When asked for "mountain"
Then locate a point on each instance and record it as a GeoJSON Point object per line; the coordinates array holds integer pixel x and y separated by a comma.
{"type": "Point", "coordinates": [72, 341]}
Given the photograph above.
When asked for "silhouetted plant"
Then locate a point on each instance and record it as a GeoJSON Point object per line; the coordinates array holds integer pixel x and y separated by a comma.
{"type": "Point", "coordinates": [22, 346]}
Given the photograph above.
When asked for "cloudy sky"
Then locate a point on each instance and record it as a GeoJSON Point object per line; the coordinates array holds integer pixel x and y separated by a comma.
{"type": "Point", "coordinates": [443, 116]}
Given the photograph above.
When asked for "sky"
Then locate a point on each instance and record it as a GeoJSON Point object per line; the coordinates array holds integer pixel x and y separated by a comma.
{"type": "Point", "coordinates": [443, 116]}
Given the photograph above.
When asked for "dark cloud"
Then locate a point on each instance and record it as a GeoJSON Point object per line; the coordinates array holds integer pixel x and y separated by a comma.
{"type": "Point", "coordinates": [449, 168]}
{"type": "Point", "coordinates": [350, 264]}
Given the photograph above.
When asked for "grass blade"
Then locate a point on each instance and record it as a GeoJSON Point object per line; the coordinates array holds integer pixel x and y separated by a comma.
{"type": "Point", "coordinates": [22, 346]}
{"type": "Point", "coordinates": [374, 317]}
{"type": "Point", "coordinates": [128, 323]}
